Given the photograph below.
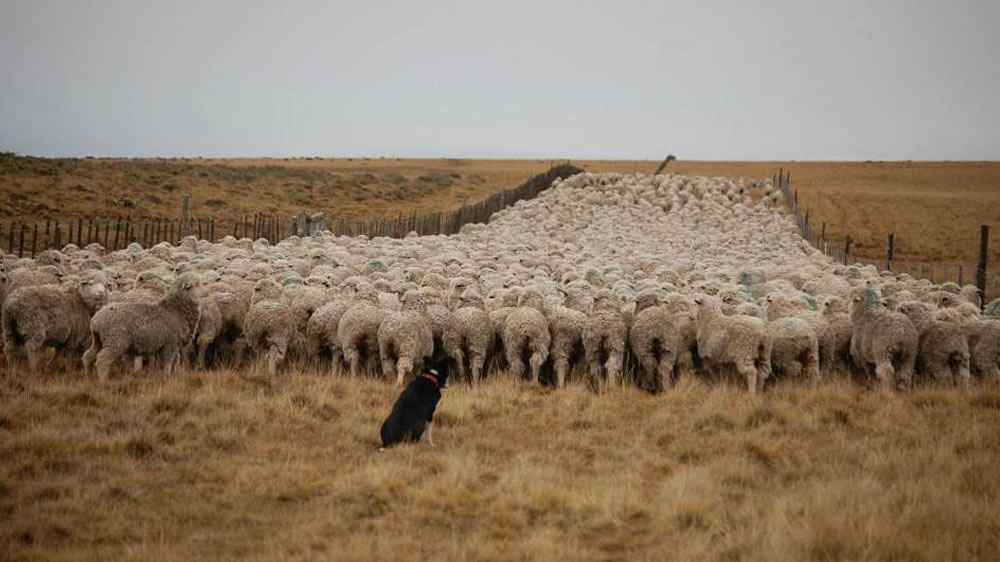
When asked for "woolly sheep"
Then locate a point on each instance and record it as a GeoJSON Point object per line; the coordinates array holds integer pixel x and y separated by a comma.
{"type": "Point", "coordinates": [405, 338]}
{"type": "Point", "coordinates": [269, 324]}
{"type": "Point", "coordinates": [655, 340]}
{"type": "Point", "coordinates": [51, 315]}
{"type": "Point", "coordinates": [605, 332]}
{"type": "Point", "coordinates": [469, 335]}
{"type": "Point", "coordinates": [741, 341]}
{"type": "Point", "coordinates": [883, 339]}
{"type": "Point", "coordinates": [943, 349]}
{"type": "Point", "coordinates": [158, 329]}
{"type": "Point", "coordinates": [526, 333]}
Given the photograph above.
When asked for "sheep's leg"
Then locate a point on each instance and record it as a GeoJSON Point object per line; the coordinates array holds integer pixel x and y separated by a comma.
{"type": "Point", "coordinates": [353, 357]}
{"type": "Point", "coordinates": [749, 372]}
{"type": "Point", "coordinates": [962, 373]}
{"type": "Point", "coordinates": [812, 367]}
{"type": "Point", "coordinates": [459, 357]}
{"type": "Point", "coordinates": [275, 354]}
{"type": "Point", "coordinates": [514, 362]}
{"type": "Point", "coordinates": [200, 360]}
{"type": "Point", "coordinates": [168, 357]}
{"type": "Point", "coordinates": [614, 365]}
{"type": "Point", "coordinates": [884, 373]}
{"type": "Point", "coordinates": [136, 364]}
{"type": "Point", "coordinates": [239, 349]}
{"type": "Point", "coordinates": [90, 355]}
{"type": "Point", "coordinates": [105, 358]}
{"type": "Point", "coordinates": [32, 348]}
{"type": "Point", "coordinates": [476, 366]}
{"type": "Point", "coordinates": [561, 367]}
{"type": "Point", "coordinates": [665, 373]}
{"type": "Point", "coordinates": [404, 366]}
{"type": "Point", "coordinates": [536, 361]}
{"type": "Point", "coordinates": [388, 363]}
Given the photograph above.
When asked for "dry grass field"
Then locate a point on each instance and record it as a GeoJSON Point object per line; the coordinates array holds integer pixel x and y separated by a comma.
{"type": "Point", "coordinates": [238, 466]}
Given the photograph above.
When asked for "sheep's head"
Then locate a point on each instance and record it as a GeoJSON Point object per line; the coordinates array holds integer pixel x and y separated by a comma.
{"type": "Point", "coordinates": [94, 288]}
{"type": "Point", "coordinates": [533, 298]}
{"type": "Point", "coordinates": [265, 289]}
{"type": "Point", "coordinates": [413, 301]}
{"type": "Point", "coordinates": [150, 281]}
{"type": "Point", "coordinates": [471, 298]}
{"type": "Point", "coordinates": [187, 285]}
{"type": "Point", "coordinates": [833, 305]}
{"type": "Point", "coordinates": [865, 298]}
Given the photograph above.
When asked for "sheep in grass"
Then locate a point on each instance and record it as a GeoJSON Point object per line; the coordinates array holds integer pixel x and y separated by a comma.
{"type": "Point", "coordinates": [566, 324]}
{"type": "Point", "coordinates": [526, 334]}
{"type": "Point", "coordinates": [794, 348]}
{"type": "Point", "coordinates": [604, 336]}
{"type": "Point", "coordinates": [984, 346]}
{"type": "Point", "coordinates": [741, 341]}
{"type": "Point", "coordinates": [835, 334]}
{"type": "Point", "coordinates": [943, 348]}
{"type": "Point", "coordinates": [159, 329]}
{"type": "Point", "coordinates": [321, 331]}
{"type": "Point", "coordinates": [269, 324]}
{"type": "Point", "coordinates": [655, 340]}
{"type": "Point", "coordinates": [209, 328]}
{"type": "Point", "coordinates": [405, 338]}
{"type": "Point", "coordinates": [882, 339]}
{"type": "Point", "coordinates": [358, 335]}
{"type": "Point", "coordinates": [469, 335]}
{"type": "Point", "coordinates": [51, 315]}
{"type": "Point", "coordinates": [794, 343]}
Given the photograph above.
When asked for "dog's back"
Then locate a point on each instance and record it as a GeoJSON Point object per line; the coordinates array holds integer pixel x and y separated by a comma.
{"type": "Point", "coordinates": [411, 413]}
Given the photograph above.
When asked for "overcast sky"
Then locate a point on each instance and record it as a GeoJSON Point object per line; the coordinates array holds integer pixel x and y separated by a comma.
{"type": "Point", "coordinates": [795, 79]}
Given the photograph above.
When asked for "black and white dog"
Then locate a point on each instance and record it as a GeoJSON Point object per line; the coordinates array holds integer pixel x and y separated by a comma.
{"type": "Point", "coordinates": [413, 411]}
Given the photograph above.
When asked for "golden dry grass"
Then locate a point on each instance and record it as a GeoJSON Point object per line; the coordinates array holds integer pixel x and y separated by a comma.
{"type": "Point", "coordinates": [233, 465]}
{"type": "Point", "coordinates": [350, 188]}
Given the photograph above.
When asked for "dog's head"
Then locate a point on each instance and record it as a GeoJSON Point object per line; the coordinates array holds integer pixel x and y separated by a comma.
{"type": "Point", "coordinates": [438, 367]}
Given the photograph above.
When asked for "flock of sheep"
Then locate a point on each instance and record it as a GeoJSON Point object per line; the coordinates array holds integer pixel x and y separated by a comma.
{"type": "Point", "coordinates": [630, 277]}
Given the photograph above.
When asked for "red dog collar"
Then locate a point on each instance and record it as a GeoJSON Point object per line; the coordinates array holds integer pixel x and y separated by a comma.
{"type": "Point", "coordinates": [431, 378]}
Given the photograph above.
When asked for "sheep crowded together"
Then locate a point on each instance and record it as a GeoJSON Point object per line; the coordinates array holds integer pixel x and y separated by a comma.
{"type": "Point", "coordinates": [609, 278]}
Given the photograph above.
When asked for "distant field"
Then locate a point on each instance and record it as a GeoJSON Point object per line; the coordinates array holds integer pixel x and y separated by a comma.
{"type": "Point", "coordinates": [935, 208]}
{"type": "Point", "coordinates": [352, 188]}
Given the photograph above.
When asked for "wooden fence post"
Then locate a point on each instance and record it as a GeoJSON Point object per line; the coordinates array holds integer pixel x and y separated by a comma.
{"type": "Point", "coordinates": [118, 231]}
{"type": "Point", "coordinates": [10, 238]}
{"type": "Point", "coordinates": [984, 238]}
{"type": "Point", "coordinates": [186, 216]}
{"type": "Point", "coordinates": [34, 240]}
{"type": "Point", "coordinates": [847, 248]}
{"type": "Point", "coordinates": [961, 277]}
{"type": "Point", "coordinates": [58, 245]}
{"type": "Point", "coordinates": [79, 231]}
{"type": "Point", "coordinates": [889, 251]}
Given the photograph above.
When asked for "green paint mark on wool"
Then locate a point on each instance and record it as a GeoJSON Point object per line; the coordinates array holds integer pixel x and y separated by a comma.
{"type": "Point", "coordinates": [292, 280]}
{"type": "Point", "coordinates": [811, 301]}
{"type": "Point", "coordinates": [992, 309]}
{"type": "Point", "coordinates": [872, 300]}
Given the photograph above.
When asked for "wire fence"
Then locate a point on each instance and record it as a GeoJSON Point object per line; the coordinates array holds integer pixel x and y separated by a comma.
{"type": "Point", "coordinates": [936, 272]}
